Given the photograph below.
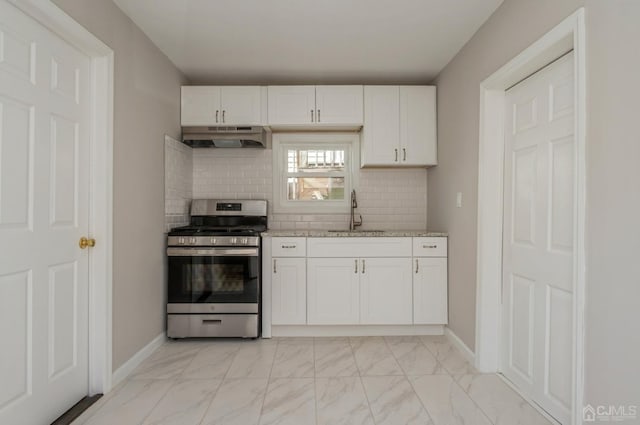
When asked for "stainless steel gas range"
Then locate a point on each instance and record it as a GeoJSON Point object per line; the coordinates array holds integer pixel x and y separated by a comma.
{"type": "Point", "coordinates": [214, 281]}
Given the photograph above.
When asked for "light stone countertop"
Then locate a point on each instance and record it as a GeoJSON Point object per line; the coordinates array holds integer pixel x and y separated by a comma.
{"type": "Point", "coordinates": [348, 234]}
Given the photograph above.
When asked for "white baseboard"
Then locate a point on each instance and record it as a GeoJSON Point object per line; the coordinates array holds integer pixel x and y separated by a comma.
{"type": "Point", "coordinates": [354, 330]}
{"type": "Point", "coordinates": [123, 371]}
{"type": "Point", "coordinates": [461, 346]}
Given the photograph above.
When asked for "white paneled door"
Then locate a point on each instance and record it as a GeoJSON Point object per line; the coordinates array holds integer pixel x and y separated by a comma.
{"type": "Point", "coordinates": [538, 242]}
{"type": "Point", "coordinates": [44, 206]}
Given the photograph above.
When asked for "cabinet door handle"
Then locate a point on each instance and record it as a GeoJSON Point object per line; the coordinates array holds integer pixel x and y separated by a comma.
{"type": "Point", "coordinates": [363, 269]}
{"type": "Point", "coordinates": [396, 150]}
{"type": "Point", "coordinates": [417, 266]}
{"type": "Point", "coordinates": [318, 115]}
{"type": "Point", "coordinates": [356, 269]}
{"type": "Point", "coordinates": [404, 154]}
{"type": "Point", "coordinates": [217, 112]}
{"type": "Point", "coordinates": [275, 269]}
{"type": "Point", "coordinates": [223, 112]}
{"type": "Point", "coordinates": [312, 115]}
{"type": "Point", "coordinates": [288, 246]}
{"type": "Point", "coordinates": [430, 246]}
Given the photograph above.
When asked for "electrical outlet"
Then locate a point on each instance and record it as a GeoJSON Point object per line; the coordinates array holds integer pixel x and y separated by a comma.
{"type": "Point", "coordinates": [459, 199]}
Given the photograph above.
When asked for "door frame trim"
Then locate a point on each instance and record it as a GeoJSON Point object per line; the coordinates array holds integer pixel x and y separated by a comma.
{"type": "Point", "coordinates": [568, 35]}
{"type": "Point", "coordinates": [101, 182]}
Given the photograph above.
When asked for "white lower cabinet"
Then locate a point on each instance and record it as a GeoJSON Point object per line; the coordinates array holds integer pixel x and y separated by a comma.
{"type": "Point", "coordinates": [393, 281]}
{"type": "Point", "coordinates": [430, 291]}
{"type": "Point", "coordinates": [385, 291]}
{"type": "Point", "coordinates": [288, 291]}
{"type": "Point", "coordinates": [374, 288]}
{"type": "Point", "coordinates": [366, 291]}
{"type": "Point", "coordinates": [429, 281]}
{"type": "Point", "coordinates": [333, 291]}
{"type": "Point", "coordinates": [289, 281]}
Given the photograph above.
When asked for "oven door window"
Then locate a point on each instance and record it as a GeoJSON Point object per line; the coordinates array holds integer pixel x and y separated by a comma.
{"type": "Point", "coordinates": [209, 279]}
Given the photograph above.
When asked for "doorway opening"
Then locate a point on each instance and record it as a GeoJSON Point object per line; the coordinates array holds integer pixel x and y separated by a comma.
{"type": "Point", "coordinates": [79, 73]}
{"type": "Point", "coordinates": [567, 36]}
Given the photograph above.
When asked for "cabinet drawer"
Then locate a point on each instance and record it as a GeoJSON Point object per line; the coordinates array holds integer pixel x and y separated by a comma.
{"type": "Point", "coordinates": [430, 247]}
{"type": "Point", "coordinates": [288, 247]}
{"type": "Point", "coordinates": [359, 247]}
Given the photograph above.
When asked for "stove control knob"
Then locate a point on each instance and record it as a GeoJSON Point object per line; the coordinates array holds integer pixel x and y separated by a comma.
{"type": "Point", "coordinates": [192, 241]}
{"type": "Point", "coordinates": [180, 241]}
{"type": "Point", "coordinates": [234, 241]}
{"type": "Point", "coordinates": [213, 241]}
{"type": "Point", "coordinates": [245, 241]}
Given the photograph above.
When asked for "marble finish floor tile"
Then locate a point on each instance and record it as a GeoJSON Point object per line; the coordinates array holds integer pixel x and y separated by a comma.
{"type": "Point", "coordinates": [185, 403]}
{"type": "Point", "coordinates": [293, 360]}
{"type": "Point", "coordinates": [212, 362]}
{"type": "Point", "coordinates": [413, 357]}
{"type": "Point", "coordinates": [449, 356]}
{"type": "Point", "coordinates": [373, 357]}
{"type": "Point", "coordinates": [342, 401]}
{"type": "Point", "coordinates": [501, 404]}
{"type": "Point", "coordinates": [331, 340]}
{"type": "Point", "coordinates": [167, 362]}
{"type": "Point", "coordinates": [365, 380]}
{"type": "Point", "coordinates": [334, 359]}
{"type": "Point", "coordinates": [446, 402]}
{"type": "Point", "coordinates": [253, 360]}
{"type": "Point", "coordinates": [289, 401]}
{"type": "Point", "coordinates": [295, 340]}
{"type": "Point", "coordinates": [84, 417]}
{"type": "Point", "coordinates": [237, 402]}
{"type": "Point", "coordinates": [430, 339]}
{"type": "Point", "coordinates": [393, 401]}
{"type": "Point", "coordinates": [131, 403]}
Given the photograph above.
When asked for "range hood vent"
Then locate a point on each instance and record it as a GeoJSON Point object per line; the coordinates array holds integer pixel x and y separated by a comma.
{"type": "Point", "coordinates": [225, 137]}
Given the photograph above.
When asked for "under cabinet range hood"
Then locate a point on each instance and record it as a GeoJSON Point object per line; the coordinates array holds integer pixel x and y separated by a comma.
{"type": "Point", "coordinates": [226, 137]}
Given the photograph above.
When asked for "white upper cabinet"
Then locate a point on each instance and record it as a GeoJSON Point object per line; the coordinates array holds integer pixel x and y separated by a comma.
{"type": "Point", "coordinates": [221, 105]}
{"type": "Point", "coordinates": [200, 105]}
{"type": "Point", "coordinates": [399, 126]}
{"type": "Point", "coordinates": [381, 132]}
{"type": "Point", "coordinates": [418, 125]}
{"type": "Point", "coordinates": [291, 104]}
{"type": "Point", "coordinates": [315, 106]}
{"type": "Point", "coordinates": [241, 105]}
{"type": "Point", "coordinates": [339, 104]}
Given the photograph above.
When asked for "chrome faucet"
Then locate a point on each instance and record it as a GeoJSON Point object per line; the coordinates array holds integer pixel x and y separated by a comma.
{"type": "Point", "coordinates": [352, 219]}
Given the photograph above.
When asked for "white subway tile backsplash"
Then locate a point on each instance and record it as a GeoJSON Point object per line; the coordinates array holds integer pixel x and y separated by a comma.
{"type": "Point", "coordinates": [393, 199]}
{"type": "Point", "coordinates": [178, 184]}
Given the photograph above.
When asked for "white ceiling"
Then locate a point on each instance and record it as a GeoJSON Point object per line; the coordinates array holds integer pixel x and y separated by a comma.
{"type": "Point", "coordinates": [309, 41]}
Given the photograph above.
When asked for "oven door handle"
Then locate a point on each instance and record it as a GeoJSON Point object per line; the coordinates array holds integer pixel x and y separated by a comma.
{"type": "Point", "coordinates": [213, 252]}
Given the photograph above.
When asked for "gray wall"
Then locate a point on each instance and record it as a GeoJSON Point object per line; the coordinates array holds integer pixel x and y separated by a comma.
{"type": "Point", "coordinates": [613, 203]}
{"type": "Point", "coordinates": [613, 177]}
{"type": "Point", "coordinates": [146, 106]}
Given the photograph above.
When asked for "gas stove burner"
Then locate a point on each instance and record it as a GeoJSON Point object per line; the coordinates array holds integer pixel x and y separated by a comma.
{"type": "Point", "coordinates": [214, 231]}
{"type": "Point", "coordinates": [212, 217]}
{"type": "Point", "coordinates": [221, 223]}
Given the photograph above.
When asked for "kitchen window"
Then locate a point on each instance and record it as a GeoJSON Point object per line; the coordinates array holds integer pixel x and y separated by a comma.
{"type": "Point", "coordinates": [314, 173]}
